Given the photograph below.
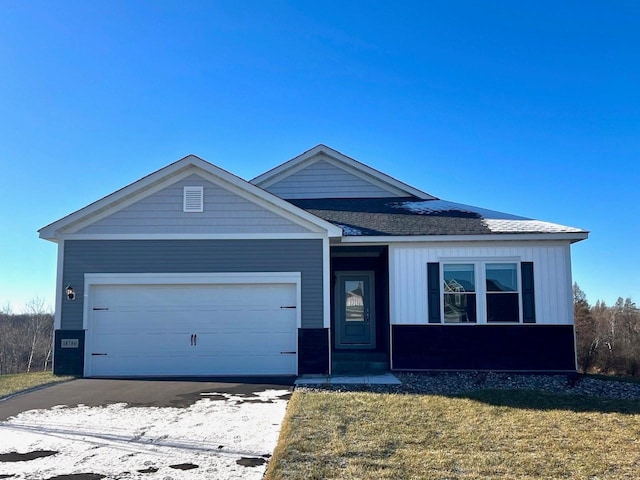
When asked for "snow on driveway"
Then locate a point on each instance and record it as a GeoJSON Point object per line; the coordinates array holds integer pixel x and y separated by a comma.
{"type": "Point", "coordinates": [221, 436]}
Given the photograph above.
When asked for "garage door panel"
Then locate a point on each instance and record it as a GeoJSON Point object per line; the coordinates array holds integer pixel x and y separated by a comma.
{"type": "Point", "coordinates": [175, 325]}
{"type": "Point", "coordinates": [195, 295]}
{"type": "Point", "coordinates": [186, 320]}
{"type": "Point", "coordinates": [247, 322]}
{"type": "Point", "coordinates": [136, 365]}
{"type": "Point", "coordinates": [208, 329]}
{"type": "Point", "coordinates": [245, 343]}
{"type": "Point", "coordinates": [123, 322]}
{"type": "Point", "coordinates": [235, 365]}
{"type": "Point", "coordinates": [136, 344]}
{"type": "Point", "coordinates": [201, 365]}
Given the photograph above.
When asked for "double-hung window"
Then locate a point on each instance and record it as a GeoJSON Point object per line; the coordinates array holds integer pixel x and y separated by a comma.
{"type": "Point", "coordinates": [481, 292]}
{"type": "Point", "coordinates": [459, 290]}
{"type": "Point", "coordinates": [503, 298]}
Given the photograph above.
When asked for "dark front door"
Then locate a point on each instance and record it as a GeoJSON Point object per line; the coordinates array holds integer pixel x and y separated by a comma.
{"type": "Point", "coordinates": [355, 310]}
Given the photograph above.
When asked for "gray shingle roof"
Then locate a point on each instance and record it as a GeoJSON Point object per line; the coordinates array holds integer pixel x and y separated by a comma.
{"type": "Point", "coordinates": [412, 216]}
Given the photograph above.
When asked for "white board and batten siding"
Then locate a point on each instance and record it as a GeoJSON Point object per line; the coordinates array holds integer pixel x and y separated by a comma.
{"type": "Point", "coordinates": [552, 277]}
{"type": "Point", "coordinates": [192, 325]}
{"type": "Point", "coordinates": [223, 212]}
{"type": "Point", "coordinates": [323, 179]}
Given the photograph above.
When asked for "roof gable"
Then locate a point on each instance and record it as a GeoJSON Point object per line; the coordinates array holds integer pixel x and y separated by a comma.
{"type": "Point", "coordinates": [93, 218]}
{"type": "Point", "coordinates": [326, 173]}
{"type": "Point", "coordinates": [221, 212]}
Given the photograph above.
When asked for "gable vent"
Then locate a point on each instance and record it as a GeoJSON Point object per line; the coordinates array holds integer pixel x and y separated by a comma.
{"type": "Point", "coordinates": [193, 199]}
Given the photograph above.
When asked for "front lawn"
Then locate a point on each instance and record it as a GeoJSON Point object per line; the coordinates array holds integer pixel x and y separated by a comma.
{"type": "Point", "coordinates": [10, 384]}
{"type": "Point", "coordinates": [487, 434]}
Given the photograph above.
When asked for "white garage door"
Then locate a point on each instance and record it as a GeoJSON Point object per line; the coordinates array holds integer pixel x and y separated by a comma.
{"type": "Point", "coordinates": [195, 329]}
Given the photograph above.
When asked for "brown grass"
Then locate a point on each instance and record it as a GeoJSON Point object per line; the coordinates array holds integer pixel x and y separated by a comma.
{"type": "Point", "coordinates": [10, 384]}
{"type": "Point", "coordinates": [490, 434]}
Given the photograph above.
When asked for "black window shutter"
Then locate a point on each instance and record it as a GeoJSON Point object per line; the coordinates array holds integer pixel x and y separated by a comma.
{"type": "Point", "coordinates": [528, 294]}
{"type": "Point", "coordinates": [433, 289]}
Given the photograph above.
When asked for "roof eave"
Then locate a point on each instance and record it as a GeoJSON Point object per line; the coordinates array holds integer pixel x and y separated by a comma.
{"type": "Point", "coordinates": [571, 237]}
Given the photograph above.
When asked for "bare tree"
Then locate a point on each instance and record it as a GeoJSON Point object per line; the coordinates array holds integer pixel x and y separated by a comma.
{"type": "Point", "coordinates": [39, 330]}
{"type": "Point", "coordinates": [588, 338]}
{"type": "Point", "coordinates": [608, 338]}
{"type": "Point", "coordinates": [627, 320]}
{"type": "Point", "coordinates": [6, 309]}
{"type": "Point", "coordinates": [605, 327]}
{"type": "Point", "coordinates": [11, 344]}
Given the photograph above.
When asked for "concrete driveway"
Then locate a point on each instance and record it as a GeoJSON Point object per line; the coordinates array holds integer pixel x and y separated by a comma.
{"type": "Point", "coordinates": [142, 429]}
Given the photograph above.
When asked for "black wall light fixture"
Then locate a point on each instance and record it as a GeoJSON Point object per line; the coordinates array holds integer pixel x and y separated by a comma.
{"type": "Point", "coordinates": [71, 294]}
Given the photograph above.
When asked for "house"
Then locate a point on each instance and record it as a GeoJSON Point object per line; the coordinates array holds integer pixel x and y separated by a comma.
{"type": "Point", "coordinates": [322, 264]}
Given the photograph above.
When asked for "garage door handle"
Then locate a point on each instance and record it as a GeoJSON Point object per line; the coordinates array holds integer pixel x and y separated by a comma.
{"type": "Point", "coordinates": [287, 353]}
{"type": "Point", "coordinates": [195, 339]}
{"type": "Point", "coordinates": [288, 306]}
{"type": "Point", "coordinates": [98, 354]}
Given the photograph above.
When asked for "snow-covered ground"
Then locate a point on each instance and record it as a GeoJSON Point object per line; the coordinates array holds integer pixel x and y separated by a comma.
{"type": "Point", "coordinates": [220, 434]}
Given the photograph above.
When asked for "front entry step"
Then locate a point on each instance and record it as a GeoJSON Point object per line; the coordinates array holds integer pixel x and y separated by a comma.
{"type": "Point", "coordinates": [344, 362]}
{"type": "Point", "coordinates": [369, 379]}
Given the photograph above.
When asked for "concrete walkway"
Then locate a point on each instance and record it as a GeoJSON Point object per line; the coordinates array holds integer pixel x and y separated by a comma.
{"type": "Point", "coordinates": [371, 379]}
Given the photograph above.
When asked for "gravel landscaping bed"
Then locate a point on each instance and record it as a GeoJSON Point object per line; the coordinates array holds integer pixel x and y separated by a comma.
{"type": "Point", "coordinates": [462, 382]}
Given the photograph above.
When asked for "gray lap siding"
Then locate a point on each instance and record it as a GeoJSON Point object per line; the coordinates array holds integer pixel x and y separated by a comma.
{"type": "Point", "coordinates": [194, 256]}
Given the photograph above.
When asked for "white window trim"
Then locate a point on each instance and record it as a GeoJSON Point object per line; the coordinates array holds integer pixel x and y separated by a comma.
{"type": "Point", "coordinates": [480, 274]}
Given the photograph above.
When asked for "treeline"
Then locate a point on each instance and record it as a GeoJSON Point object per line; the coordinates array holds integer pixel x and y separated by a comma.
{"type": "Point", "coordinates": [26, 339]}
{"type": "Point", "coordinates": [608, 338]}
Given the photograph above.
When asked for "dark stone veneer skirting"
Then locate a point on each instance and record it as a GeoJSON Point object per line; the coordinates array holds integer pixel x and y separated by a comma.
{"type": "Point", "coordinates": [484, 347]}
{"type": "Point", "coordinates": [313, 351]}
{"type": "Point", "coordinates": [68, 361]}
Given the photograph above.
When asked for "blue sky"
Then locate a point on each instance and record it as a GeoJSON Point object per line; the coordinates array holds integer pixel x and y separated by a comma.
{"type": "Point", "coordinates": [527, 107]}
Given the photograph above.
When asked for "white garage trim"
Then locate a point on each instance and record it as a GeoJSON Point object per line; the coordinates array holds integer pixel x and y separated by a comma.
{"type": "Point", "coordinates": [195, 278]}
{"type": "Point", "coordinates": [141, 283]}
{"type": "Point", "coordinates": [326, 284]}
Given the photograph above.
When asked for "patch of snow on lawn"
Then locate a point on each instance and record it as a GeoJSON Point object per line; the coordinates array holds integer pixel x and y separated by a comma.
{"type": "Point", "coordinates": [117, 441]}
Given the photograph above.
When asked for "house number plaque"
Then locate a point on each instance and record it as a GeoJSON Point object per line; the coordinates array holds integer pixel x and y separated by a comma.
{"type": "Point", "coordinates": [69, 343]}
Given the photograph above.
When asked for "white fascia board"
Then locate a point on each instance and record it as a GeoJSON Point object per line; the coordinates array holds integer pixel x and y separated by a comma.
{"type": "Point", "coordinates": [340, 160]}
{"type": "Point", "coordinates": [570, 236]}
{"type": "Point", "coordinates": [377, 177]}
{"type": "Point", "coordinates": [49, 232]}
{"type": "Point", "coordinates": [117, 202]}
{"type": "Point", "coordinates": [372, 179]}
{"type": "Point", "coordinates": [285, 169]}
{"type": "Point", "coordinates": [192, 236]}
{"type": "Point", "coordinates": [173, 173]}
